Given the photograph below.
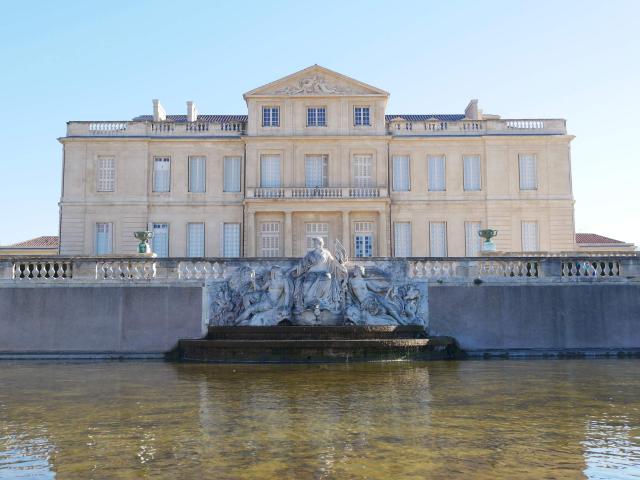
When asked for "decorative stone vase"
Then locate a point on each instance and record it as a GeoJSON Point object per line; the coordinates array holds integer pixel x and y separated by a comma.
{"type": "Point", "coordinates": [144, 236]}
{"type": "Point", "coordinates": [488, 234]}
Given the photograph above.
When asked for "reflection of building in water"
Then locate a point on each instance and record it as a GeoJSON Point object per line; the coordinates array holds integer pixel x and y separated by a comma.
{"type": "Point", "coordinates": [316, 155]}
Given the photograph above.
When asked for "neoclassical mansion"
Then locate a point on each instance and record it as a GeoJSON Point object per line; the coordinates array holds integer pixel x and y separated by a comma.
{"type": "Point", "coordinates": [316, 155]}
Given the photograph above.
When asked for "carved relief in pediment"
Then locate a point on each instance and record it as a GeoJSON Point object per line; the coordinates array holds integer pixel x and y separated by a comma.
{"type": "Point", "coordinates": [315, 85]}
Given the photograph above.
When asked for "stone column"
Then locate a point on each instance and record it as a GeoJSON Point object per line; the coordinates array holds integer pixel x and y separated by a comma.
{"type": "Point", "coordinates": [288, 235]}
{"type": "Point", "coordinates": [346, 232]}
{"type": "Point", "coordinates": [250, 234]}
{"type": "Point", "coordinates": [383, 243]}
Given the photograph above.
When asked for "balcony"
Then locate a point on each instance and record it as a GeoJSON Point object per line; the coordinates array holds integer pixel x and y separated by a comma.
{"type": "Point", "coordinates": [317, 193]}
{"type": "Point", "coordinates": [154, 129]}
{"type": "Point", "coordinates": [400, 128]}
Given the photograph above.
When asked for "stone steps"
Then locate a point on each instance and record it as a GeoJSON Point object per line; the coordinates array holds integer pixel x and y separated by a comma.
{"type": "Point", "coordinates": [315, 344]}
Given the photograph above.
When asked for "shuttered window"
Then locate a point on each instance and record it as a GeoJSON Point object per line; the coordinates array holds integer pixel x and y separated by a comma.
{"type": "Point", "coordinates": [195, 240]}
{"type": "Point", "coordinates": [471, 172]}
{"type": "Point", "coordinates": [528, 172]}
{"type": "Point", "coordinates": [436, 174]}
{"type": "Point", "coordinates": [197, 174]}
{"type": "Point", "coordinates": [438, 239]}
{"type": "Point", "coordinates": [106, 174]}
{"type": "Point", "coordinates": [270, 171]}
{"type": "Point", "coordinates": [270, 239]}
{"type": "Point", "coordinates": [232, 174]}
{"type": "Point", "coordinates": [231, 240]}
{"type": "Point", "coordinates": [401, 173]}
{"type": "Point", "coordinates": [316, 230]}
{"type": "Point", "coordinates": [472, 241]}
{"type": "Point", "coordinates": [160, 239]}
{"type": "Point", "coordinates": [362, 171]}
{"type": "Point", "coordinates": [316, 170]}
{"type": "Point", "coordinates": [530, 237]}
{"type": "Point", "coordinates": [161, 174]}
{"type": "Point", "coordinates": [104, 238]}
{"type": "Point", "coordinates": [402, 239]}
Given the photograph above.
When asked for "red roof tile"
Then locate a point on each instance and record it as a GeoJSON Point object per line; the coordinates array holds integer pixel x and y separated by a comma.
{"type": "Point", "coordinates": [594, 238]}
{"type": "Point", "coordinates": [46, 241]}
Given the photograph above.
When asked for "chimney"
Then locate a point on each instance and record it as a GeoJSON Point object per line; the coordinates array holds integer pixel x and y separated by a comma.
{"type": "Point", "coordinates": [472, 112]}
{"type": "Point", "coordinates": [192, 111]}
{"type": "Point", "coordinates": [159, 115]}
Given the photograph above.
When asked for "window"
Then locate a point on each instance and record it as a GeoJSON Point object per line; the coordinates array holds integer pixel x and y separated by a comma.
{"type": "Point", "coordinates": [161, 174]}
{"type": "Point", "coordinates": [232, 174]}
{"type": "Point", "coordinates": [160, 239]}
{"type": "Point", "coordinates": [197, 174]}
{"type": "Point", "coordinates": [316, 117]}
{"type": "Point", "coordinates": [270, 171]}
{"type": "Point", "coordinates": [436, 173]}
{"type": "Point", "coordinates": [270, 116]}
{"type": "Point", "coordinates": [104, 238]}
{"type": "Point", "coordinates": [530, 237]}
{"type": "Point", "coordinates": [195, 240]}
{"type": "Point", "coordinates": [317, 230]}
{"type": "Point", "coordinates": [438, 239]}
{"type": "Point", "coordinates": [315, 167]}
{"type": "Point", "coordinates": [231, 240]}
{"type": "Point", "coordinates": [471, 165]}
{"type": "Point", "coordinates": [106, 174]}
{"type": "Point", "coordinates": [401, 181]}
{"type": "Point", "coordinates": [361, 116]}
{"type": "Point", "coordinates": [270, 239]}
{"type": "Point", "coordinates": [363, 240]}
{"type": "Point", "coordinates": [402, 239]}
{"type": "Point", "coordinates": [528, 172]}
{"type": "Point", "coordinates": [362, 171]}
{"type": "Point", "coordinates": [472, 241]}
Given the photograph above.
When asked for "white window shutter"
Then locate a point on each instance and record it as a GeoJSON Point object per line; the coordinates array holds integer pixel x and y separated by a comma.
{"type": "Point", "coordinates": [438, 239]}
{"type": "Point", "coordinates": [472, 241]}
{"type": "Point", "coordinates": [530, 239]}
{"type": "Point", "coordinates": [195, 240]}
{"type": "Point", "coordinates": [231, 174]}
{"type": "Point", "coordinates": [436, 173]}
{"type": "Point", "coordinates": [197, 174]}
{"type": "Point", "coordinates": [401, 173]}
{"type": "Point", "coordinates": [270, 171]}
{"type": "Point", "coordinates": [471, 172]}
{"type": "Point", "coordinates": [402, 239]}
{"type": "Point", "coordinates": [528, 172]}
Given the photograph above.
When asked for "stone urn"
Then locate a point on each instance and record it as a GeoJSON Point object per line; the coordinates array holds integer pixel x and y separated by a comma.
{"type": "Point", "coordinates": [144, 236]}
{"type": "Point", "coordinates": [488, 234]}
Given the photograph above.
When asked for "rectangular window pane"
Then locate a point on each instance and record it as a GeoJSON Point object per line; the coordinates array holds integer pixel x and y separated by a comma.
{"type": "Point", "coordinates": [104, 238]}
{"type": "Point", "coordinates": [270, 171]}
{"type": "Point", "coordinates": [195, 240]}
{"type": "Point", "coordinates": [472, 241]}
{"type": "Point", "coordinates": [363, 240]}
{"type": "Point", "coordinates": [317, 230]}
{"type": "Point", "coordinates": [321, 117]}
{"type": "Point", "coordinates": [316, 170]}
{"type": "Point", "coordinates": [438, 239]}
{"type": "Point", "coordinates": [160, 239]}
{"type": "Point", "coordinates": [197, 174]}
{"type": "Point", "coordinates": [232, 174]}
{"type": "Point", "coordinates": [362, 171]}
{"type": "Point", "coordinates": [528, 172]}
{"type": "Point", "coordinates": [402, 239]}
{"type": "Point", "coordinates": [530, 237]}
{"type": "Point", "coordinates": [361, 115]}
{"type": "Point", "coordinates": [106, 174]}
{"type": "Point", "coordinates": [270, 239]}
{"type": "Point", "coordinates": [401, 173]}
{"type": "Point", "coordinates": [161, 174]}
{"type": "Point", "coordinates": [270, 116]}
{"type": "Point", "coordinates": [231, 240]}
{"type": "Point", "coordinates": [436, 173]}
{"type": "Point", "coordinates": [471, 172]}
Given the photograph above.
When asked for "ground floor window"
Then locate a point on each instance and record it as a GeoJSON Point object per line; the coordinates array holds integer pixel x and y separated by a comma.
{"type": "Point", "coordinates": [270, 239]}
{"type": "Point", "coordinates": [231, 240]}
{"type": "Point", "coordinates": [472, 241]}
{"type": "Point", "coordinates": [160, 239]}
{"type": "Point", "coordinates": [530, 237]}
{"type": "Point", "coordinates": [316, 230]}
{"type": "Point", "coordinates": [438, 239]}
{"type": "Point", "coordinates": [104, 238]}
{"type": "Point", "coordinates": [195, 240]}
{"type": "Point", "coordinates": [402, 239]}
{"type": "Point", "coordinates": [363, 239]}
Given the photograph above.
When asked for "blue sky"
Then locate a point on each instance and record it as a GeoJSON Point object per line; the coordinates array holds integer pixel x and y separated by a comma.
{"type": "Point", "coordinates": [578, 60]}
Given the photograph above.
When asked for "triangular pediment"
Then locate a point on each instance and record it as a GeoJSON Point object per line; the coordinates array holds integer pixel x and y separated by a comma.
{"type": "Point", "coordinates": [316, 81]}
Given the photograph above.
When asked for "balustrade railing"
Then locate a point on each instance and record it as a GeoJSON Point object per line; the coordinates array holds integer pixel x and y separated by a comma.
{"type": "Point", "coordinates": [126, 270]}
{"type": "Point", "coordinates": [147, 128]}
{"type": "Point", "coordinates": [590, 268]}
{"type": "Point", "coordinates": [43, 269]}
{"type": "Point", "coordinates": [200, 270]}
{"type": "Point", "coordinates": [508, 268]}
{"type": "Point", "coordinates": [316, 192]}
{"type": "Point", "coordinates": [479, 127]}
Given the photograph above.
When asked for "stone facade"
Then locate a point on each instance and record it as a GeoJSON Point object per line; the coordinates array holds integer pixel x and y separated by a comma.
{"type": "Point", "coordinates": [316, 155]}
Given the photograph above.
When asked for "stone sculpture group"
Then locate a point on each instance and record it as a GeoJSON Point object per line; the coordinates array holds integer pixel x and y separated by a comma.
{"type": "Point", "coordinates": [321, 289]}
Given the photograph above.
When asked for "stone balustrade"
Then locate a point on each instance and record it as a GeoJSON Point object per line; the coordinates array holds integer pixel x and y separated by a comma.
{"type": "Point", "coordinates": [479, 127]}
{"type": "Point", "coordinates": [154, 129]}
{"type": "Point", "coordinates": [317, 192]}
{"type": "Point", "coordinates": [568, 268]}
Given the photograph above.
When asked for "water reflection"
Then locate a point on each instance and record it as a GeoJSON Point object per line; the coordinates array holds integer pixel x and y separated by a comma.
{"type": "Point", "coordinates": [480, 419]}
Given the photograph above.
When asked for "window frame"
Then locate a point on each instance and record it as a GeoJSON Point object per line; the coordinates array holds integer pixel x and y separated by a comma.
{"type": "Point", "coordinates": [409, 247]}
{"type": "Point", "coordinates": [464, 173]}
{"type": "Point", "coordinates": [271, 109]}
{"type": "Point", "coordinates": [204, 173]}
{"type": "Point", "coordinates": [361, 115]}
{"type": "Point", "coordinates": [317, 124]}
{"type": "Point", "coordinates": [224, 173]}
{"type": "Point", "coordinates": [153, 230]}
{"type": "Point", "coordinates": [393, 172]}
{"type": "Point", "coordinates": [204, 240]}
{"type": "Point", "coordinates": [157, 158]}
{"type": "Point", "coordinates": [536, 181]}
{"type": "Point", "coordinates": [277, 233]}
{"type": "Point", "coordinates": [262, 170]}
{"type": "Point", "coordinates": [95, 232]}
{"type": "Point", "coordinates": [445, 238]}
{"type": "Point", "coordinates": [99, 159]}
{"type": "Point", "coordinates": [444, 173]}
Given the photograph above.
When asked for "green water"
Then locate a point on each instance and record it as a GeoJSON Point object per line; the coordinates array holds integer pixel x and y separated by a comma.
{"type": "Point", "coordinates": [475, 419]}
